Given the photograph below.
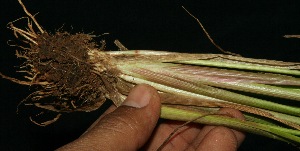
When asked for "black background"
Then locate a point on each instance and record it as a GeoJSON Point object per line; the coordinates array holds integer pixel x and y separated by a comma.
{"type": "Point", "coordinates": [250, 28]}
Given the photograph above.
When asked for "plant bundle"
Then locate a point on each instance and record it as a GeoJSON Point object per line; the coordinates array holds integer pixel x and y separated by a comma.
{"type": "Point", "coordinates": [72, 73]}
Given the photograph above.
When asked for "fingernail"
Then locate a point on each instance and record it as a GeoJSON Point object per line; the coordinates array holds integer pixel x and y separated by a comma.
{"type": "Point", "coordinates": [138, 97]}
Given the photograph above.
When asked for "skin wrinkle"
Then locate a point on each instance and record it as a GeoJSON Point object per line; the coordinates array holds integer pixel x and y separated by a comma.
{"type": "Point", "coordinates": [236, 139]}
{"type": "Point", "coordinates": [84, 145]}
{"type": "Point", "coordinates": [113, 129]}
{"type": "Point", "coordinates": [133, 120]}
{"type": "Point", "coordinates": [202, 135]}
{"type": "Point", "coordinates": [153, 142]}
{"type": "Point", "coordinates": [112, 124]}
{"type": "Point", "coordinates": [187, 133]}
{"type": "Point", "coordinates": [128, 123]}
{"type": "Point", "coordinates": [180, 138]}
{"type": "Point", "coordinates": [186, 129]}
{"type": "Point", "coordinates": [128, 120]}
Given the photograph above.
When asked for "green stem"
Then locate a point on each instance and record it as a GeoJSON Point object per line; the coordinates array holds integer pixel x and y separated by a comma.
{"type": "Point", "coordinates": [274, 132]}
{"type": "Point", "coordinates": [252, 67]}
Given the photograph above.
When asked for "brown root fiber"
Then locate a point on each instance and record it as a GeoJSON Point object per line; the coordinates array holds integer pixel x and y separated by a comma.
{"type": "Point", "coordinates": [60, 67]}
{"type": "Point", "coordinates": [61, 71]}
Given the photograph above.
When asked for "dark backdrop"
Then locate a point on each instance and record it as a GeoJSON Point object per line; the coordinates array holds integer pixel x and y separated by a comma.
{"type": "Point", "coordinates": [250, 28]}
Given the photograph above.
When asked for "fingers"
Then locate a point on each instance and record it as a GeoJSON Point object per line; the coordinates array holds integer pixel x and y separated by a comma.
{"type": "Point", "coordinates": [195, 137]}
{"type": "Point", "coordinates": [219, 138]}
{"type": "Point", "coordinates": [126, 128]}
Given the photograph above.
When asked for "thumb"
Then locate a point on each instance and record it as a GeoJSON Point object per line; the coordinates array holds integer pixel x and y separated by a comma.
{"type": "Point", "coordinates": [126, 128]}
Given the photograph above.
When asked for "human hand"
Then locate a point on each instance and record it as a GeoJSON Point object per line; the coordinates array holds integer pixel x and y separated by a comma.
{"type": "Point", "coordinates": [133, 126]}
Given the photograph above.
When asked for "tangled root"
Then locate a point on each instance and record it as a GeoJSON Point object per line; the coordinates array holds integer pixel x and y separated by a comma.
{"type": "Point", "coordinates": [59, 68]}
